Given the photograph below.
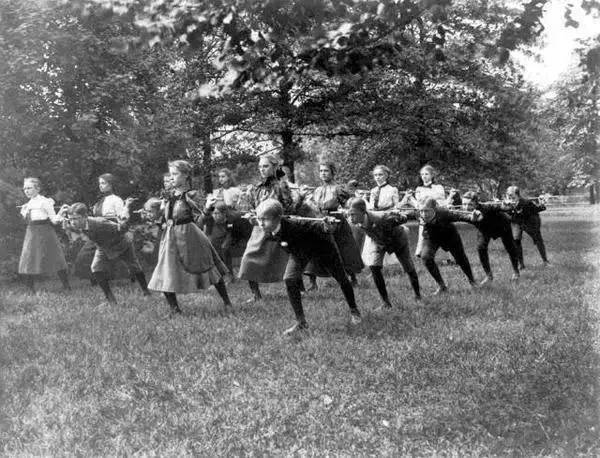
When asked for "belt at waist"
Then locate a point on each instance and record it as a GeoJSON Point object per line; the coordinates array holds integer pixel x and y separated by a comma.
{"type": "Point", "coordinates": [39, 222]}
{"type": "Point", "coordinates": [179, 222]}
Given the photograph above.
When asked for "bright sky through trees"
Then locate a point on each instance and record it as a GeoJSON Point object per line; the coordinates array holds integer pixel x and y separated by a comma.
{"type": "Point", "coordinates": [558, 43]}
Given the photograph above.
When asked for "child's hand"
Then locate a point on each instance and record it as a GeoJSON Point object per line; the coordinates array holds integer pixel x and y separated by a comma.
{"type": "Point", "coordinates": [330, 224]}
{"type": "Point", "coordinates": [476, 216]}
{"type": "Point", "coordinates": [129, 201]}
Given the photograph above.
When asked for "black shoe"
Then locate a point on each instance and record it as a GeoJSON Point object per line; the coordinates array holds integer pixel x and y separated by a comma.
{"type": "Point", "coordinates": [296, 330]}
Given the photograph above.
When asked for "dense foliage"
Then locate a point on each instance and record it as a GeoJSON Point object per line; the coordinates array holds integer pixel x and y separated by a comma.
{"type": "Point", "coordinates": [89, 86]}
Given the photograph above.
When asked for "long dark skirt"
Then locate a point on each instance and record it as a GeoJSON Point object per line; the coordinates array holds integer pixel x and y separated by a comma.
{"type": "Point", "coordinates": [264, 260]}
{"type": "Point", "coordinates": [42, 253]}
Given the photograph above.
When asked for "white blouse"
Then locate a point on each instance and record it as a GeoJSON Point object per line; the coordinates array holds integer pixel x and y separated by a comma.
{"type": "Point", "coordinates": [112, 206]}
{"type": "Point", "coordinates": [39, 208]}
{"type": "Point", "coordinates": [230, 196]}
{"type": "Point", "coordinates": [435, 191]}
{"type": "Point", "coordinates": [422, 192]}
{"type": "Point", "coordinates": [388, 197]}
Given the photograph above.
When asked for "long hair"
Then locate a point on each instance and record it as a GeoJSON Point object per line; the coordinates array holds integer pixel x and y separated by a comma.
{"type": "Point", "coordinates": [110, 179]}
{"type": "Point", "coordinates": [428, 168]}
{"type": "Point", "coordinates": [385, 169]}
{"type": "Point", "coordinates": [228, 173]}
{"type": "Point", "coordinates": [184, 167]}
{"type": "Point", "coordinates": [330, 165]}
{"type": "Point", "coordinates": [274, 161]}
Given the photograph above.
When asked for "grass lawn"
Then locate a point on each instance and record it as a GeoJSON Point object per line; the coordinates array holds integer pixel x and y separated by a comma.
{"type": "Point", "coordinates": [504, 370]}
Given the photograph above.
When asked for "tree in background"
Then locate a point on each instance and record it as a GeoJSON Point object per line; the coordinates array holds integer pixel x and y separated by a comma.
{"type": "Point", "coordinates": [574, 112]}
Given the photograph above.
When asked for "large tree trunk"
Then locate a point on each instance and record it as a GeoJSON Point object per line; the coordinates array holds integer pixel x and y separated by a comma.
{"type": "Point", "coordinates": [207, 164]}
{"type": "Point", "coordinates": [289, 150]}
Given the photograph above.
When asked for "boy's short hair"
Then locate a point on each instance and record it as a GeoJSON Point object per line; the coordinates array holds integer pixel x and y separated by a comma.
{"type": "Point", "coordinates": [270, 208]}
{"type": "Point", "coordinates": [428, 202]}
{"type": "Point", "coordinates": [79, 209]}
{"type": "Point", "coordinates": [513, 190]}
{"type": "Point", "coordinates": [471, 195]}
{"type": "Point", "coordinates": [356, 203]}
{"type": "Point", "coordinates": [221, 207]}
{"type": "Point", "coordinates": [152, 203]}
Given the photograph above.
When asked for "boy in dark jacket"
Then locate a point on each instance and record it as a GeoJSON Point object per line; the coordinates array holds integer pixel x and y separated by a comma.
{"type": "Point", "coordinates": [305, 240]}
{"type": "Point", "coordinates": [525, 216]}
{"type": "Point", "coordinates": [440, 232]}
{"type": "Point", "coordinates": [387, 235]}
{"type": "Point", "coordinates": [495, 223]}
{"type": "Point", "coordinates": [111, 245]}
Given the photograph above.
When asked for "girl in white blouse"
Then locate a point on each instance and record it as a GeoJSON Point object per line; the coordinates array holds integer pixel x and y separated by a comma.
{"type": "Point", "coordinates": [226, 192]}
{"type": "Point", "coordinates": [427, 189]}
{"type": "Point", "coordinates": [110, 206]}
{"type": "Point", "coordinates": [42, 253]}
{"type": "Point", "coordinates": [383, 196]}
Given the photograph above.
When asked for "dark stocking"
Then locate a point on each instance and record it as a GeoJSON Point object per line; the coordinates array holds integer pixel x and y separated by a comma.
{"type": "Point", "coordinates": [102, 281]}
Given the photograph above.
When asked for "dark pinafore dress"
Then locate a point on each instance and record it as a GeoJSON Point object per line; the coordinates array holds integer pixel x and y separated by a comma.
{"type": "Point", "coordinates": [187, 261]}
{"type": "Point", "coordinates": [264, 259]}
{"type": "Point", "coordinates": [329, 198]}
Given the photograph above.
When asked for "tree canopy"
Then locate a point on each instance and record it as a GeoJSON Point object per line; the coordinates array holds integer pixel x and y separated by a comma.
{"type": "Point", "coordinates": [94, 85]}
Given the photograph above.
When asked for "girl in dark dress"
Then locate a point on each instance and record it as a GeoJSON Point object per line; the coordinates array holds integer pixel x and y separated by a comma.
{"type": "Point", "coordinates": [328, 198]}
{"type": "Point", "coordinates": [264, 260]}
{"type": "Point", "coordinates": [186, 260]}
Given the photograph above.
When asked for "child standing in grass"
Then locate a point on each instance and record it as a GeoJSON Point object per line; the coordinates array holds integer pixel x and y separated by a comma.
{"type": "Point", "coordinates": [264, 261]}
{"type": "Point", "coordinates": [440, 232]}
{"type": "Point", "coordinates": [186, 259]}
{"type": "Point", "coordinates": [385, 234]}
{"type": "Point", "coordinates": [427, 188]}
{"type": "Point", "coordinates": [495, 223]}
{"type": "Point", "coordinates": [327, 198]}
{"type": "Point", "coordinates": [228, 232]}
{"type": "Point", "coordinates": [110, 206]}
{"type": "Point", "coordinates": [525, 217]}
{"type": "Point", "coordinates": [42, 253]}
{"type": "Point", "coordinates": [111, 245]}
{"type": "Point", "coordinates": [304, 241]}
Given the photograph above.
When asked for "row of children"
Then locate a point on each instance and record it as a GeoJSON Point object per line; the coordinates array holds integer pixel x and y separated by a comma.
{"type": "Point", "coordinates": [278, 243]}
